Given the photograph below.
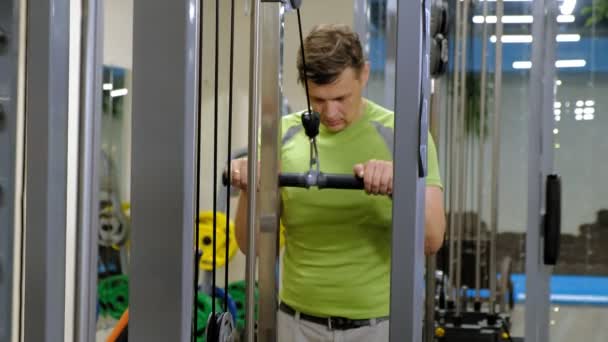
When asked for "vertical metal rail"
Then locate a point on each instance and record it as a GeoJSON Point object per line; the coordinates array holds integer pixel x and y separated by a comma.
{"type": "Point", "coordinates": [12, 40]}
{"type": "Point", "coordinates": [411, 127]}
{"type": "Point", "coordinates": [463, 155]}
{"type": "Point", "coordinates": [252, 213]}
{"type": "Point", "coordinates": [496, 152]}
{"type": "Point", "coordinates": [269, 159]}
{"type": "Point", "coordinates": [88, 177]}
{"type": "Point", "coordinates": [164, 179]}
{"type": "Point", "coordinates": [47, 96]}
{"type": "Point", "coordinates": [454, 151]}
{"type": "Point", "coordinates": [540, 163]}
{"type": "Point", "coordinates": [482, 136]}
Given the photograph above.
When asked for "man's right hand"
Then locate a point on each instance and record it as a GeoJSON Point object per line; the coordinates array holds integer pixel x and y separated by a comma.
{"type": "Point", "coordinates": [239, 175]}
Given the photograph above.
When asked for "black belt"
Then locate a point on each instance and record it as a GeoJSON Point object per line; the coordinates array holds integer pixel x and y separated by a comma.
{"type": "Point", "coordinates": [333, 323]}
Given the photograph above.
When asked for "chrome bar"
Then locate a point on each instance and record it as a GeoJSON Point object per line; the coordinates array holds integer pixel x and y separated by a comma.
{"type": "Point", "coordinates": [454, 152]}
{"type": "Point", "coordinates": [480, 169]}
{"type": "Point", "coordinates": [463, 154]}
{"type": "Point", "coordinates": [496, 151]}
{"type": "Point", "coordinates": [90, 130]}
{"type": "Point", "coordinates": [252, 219]}
{"type": "Point", "coordinates": [269, 197]}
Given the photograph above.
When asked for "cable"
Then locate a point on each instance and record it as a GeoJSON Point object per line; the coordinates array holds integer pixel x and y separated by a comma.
{"type": "Point", "coordinates": [229, 152]}
{"type": "Point", "coordinates": [215, 117]}
{"type": "Point", "coordinates": [304, 62]}
{"type": "Point", "coordinates": [198, 172]}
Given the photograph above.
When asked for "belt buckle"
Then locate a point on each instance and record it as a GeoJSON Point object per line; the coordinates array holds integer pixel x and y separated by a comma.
{"type": "Point", "coordinates": [337, 323]}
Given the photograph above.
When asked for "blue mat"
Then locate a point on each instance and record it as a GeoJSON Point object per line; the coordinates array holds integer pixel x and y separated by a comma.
{"type": "Point", "coordinates": [565, 289]}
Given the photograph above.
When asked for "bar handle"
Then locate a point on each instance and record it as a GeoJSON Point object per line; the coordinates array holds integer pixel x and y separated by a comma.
{"type": "Point", "coordinates": [552, 219]}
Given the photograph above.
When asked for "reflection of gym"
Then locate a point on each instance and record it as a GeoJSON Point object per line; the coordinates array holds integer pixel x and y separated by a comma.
{"type": "Point", "coordinates": [299, 171]}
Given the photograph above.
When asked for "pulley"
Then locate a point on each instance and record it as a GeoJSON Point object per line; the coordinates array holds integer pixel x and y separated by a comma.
{"type": "Point", "coordinates": [220, 328]}
{"type": "Point", "coordinates": [205, 242]}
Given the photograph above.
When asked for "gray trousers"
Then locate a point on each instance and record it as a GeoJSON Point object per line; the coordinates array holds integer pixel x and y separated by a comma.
{"type": "Point", "coordinates": [294, 329]}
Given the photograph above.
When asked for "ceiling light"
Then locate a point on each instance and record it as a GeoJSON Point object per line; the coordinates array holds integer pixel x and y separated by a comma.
{"type": "Point", "coordinates": [557, 112]}
{"type": "Point", "coordinates": [570, 63]}
{"type": "Point", "coordinates": [557, 104]}
{"type": "Point", "coordinates": [578, 117]}
{"type": "Point", "coordinates": [589, 103]}
{"type": "Point", "coordinates": [588, 117]}
{"type": "Point", "coordinates": [563, 38]}
{"type": "Point", "coordinates": [558, 82]}
{"type": "Point", "coordinates": [579, 103]}
{"type": "Point", "coordinates": [107, 86]}
{"type": "Point", "coordinates": [522, 65]}
{"type": "Point", "coordinates": [565, 18]}
{"type": "Point", "coordinates": [567, 6]}
{"type": "Point", "coordinates": [513, 38]}
{"type": "Point", "coordinates": [578, 111]}
{"type": "Point", "coordinates": [555, 131]}
{"type": "Point", "coordinates": [119, 92]}
{"type": "Point", "coordinates": [589, 110]}
{"type": "Point", "coordinates": [558, 118]}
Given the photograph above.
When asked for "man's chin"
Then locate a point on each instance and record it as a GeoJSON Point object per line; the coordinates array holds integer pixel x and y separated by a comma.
{"type": "Point", "coordinates": [335, 128]}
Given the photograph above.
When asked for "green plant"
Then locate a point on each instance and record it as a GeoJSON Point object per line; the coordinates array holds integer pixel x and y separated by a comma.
{"type": "Point", "coordinates": [597, 12]}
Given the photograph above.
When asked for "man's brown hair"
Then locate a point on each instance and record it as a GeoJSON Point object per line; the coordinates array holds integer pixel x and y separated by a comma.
{"type": "Point", "coordinates": [330, 49]}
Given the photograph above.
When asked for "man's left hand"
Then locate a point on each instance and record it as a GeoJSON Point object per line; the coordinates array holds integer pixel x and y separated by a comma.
{"type": "Point", "coordinates": [377, 176]}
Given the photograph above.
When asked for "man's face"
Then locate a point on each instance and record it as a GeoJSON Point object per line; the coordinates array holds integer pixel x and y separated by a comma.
{"type": "Point", "coordinates": [340, 102]}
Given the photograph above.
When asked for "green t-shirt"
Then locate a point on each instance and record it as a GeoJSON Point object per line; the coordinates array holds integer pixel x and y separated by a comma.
{"type": "Point", "coordinates": [337, 242]}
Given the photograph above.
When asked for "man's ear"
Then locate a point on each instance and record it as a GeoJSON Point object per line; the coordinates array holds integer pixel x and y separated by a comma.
{"type": "Point", "coordinates": [364, 74]}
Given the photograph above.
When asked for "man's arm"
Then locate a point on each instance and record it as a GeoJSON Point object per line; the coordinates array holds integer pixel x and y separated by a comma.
{"type": "Point", "coordinates": [434, 216]}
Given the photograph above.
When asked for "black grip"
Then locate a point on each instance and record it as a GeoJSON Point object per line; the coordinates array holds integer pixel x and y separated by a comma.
{"type": "Point", "coordinates": [552, 219]}
{"type": "Point", "coordinates": [333, 181]}
{"type": "Point", "coordinates": [293, 180]}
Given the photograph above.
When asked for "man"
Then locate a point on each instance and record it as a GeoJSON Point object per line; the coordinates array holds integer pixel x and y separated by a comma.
{"type": "Point", "coordinates": [337, 242]}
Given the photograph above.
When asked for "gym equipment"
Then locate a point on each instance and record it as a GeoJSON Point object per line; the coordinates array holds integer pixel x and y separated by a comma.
{"type": "Point", "coordinates": [113, 295]}
{"type": "Point", "coordinates": [206, 241]}
{"type": "Point", "coordinates": [237, 292]}
{"type": "Point", "coordinates": [220, 327]}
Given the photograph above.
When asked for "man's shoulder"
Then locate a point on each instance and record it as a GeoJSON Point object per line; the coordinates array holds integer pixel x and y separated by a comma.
{"type": "Point", "coordinates": [379, 114]}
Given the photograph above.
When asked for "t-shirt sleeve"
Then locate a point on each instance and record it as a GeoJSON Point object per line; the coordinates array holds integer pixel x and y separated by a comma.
{"type": "Point", "coordinates": [433, 178]}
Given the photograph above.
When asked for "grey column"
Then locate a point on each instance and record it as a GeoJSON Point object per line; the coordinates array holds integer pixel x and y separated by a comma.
{"type": "Point", "coordinates": [411, 108]}
{"type": "Point", "coordinates": [540, 163]}
{"type": "Point", "coordinates": [88, 173]}
{"type": "Point", "coordinates": [46, 170]}
{"type": "Point", "coordinates": [165, 52]}
{"type": "Point", "coordinates": [269, 159]}
{"type": "Point", "coordinates": [9, 90]}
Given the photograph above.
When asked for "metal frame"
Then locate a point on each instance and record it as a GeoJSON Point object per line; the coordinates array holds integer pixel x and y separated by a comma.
{"type": "Point", "coordinates": [88, 171]}
{"type": "Point", "coordinates": [46, 169]}
{"type": "Point", "coordinates": [10, 190]}
{"type": "Point", "coordinates": [163, 169]}
{"type": "Point", "coordinates": [269, 195]}
{"type": "Point", "coordinates": [540, 163]}
{"type": "Point", "coordinates": [411, 126]}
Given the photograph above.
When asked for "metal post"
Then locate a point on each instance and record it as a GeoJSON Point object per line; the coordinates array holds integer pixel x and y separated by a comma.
{"type": "Point", "coordinates": [454, 151]}
{"type": "Point", "coordinates": [269, 188]}
{"type": "Point", "coordinates": [11, 164]}
{"type": "Point", "coordinates": [252, 213]}
{"type": "Point", "coordinates": [163, 169]}
{"type": "Point", "coordinates": [411, 126]}
{"type": "Point", "coordinates": [463, 154]}
{"type": "Point", "coordinates": [89, 158]}
{"type": "Point", "coordinates": [482, 136]}
{"type": "Point", "coordinates": [496, 152]}
{"type": "Point", "coordinates": [540, 163]}
{"type": "Point", "coordinates": [46, 169]}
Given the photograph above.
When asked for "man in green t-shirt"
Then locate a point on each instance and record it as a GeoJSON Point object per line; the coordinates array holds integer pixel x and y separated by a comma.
{"type": "Point", "coordinates": [336, 264]}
